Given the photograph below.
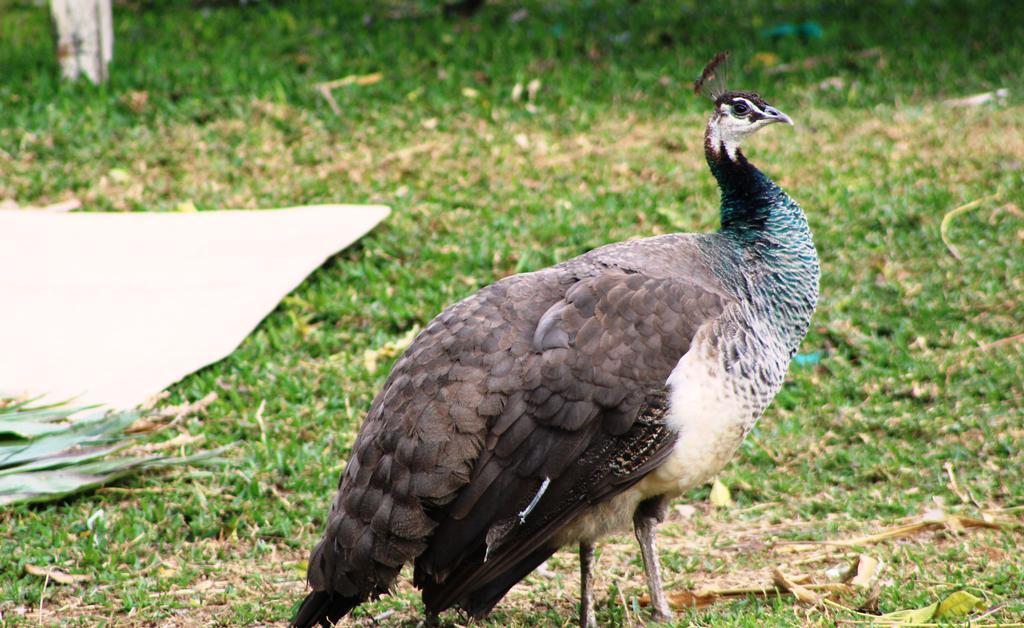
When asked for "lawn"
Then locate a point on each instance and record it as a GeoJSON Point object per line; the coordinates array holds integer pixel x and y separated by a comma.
{"type": "Point", "coordinates": [908, 396]}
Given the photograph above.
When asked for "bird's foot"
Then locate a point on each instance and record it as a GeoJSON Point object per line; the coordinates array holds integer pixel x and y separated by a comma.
{"type": "Point", "coordinates": [645, 520]}
{"type": "Point", "coordinates": [587, 617]}
{"type": "Point", "coordinates": [588, 621]}
{"type": "Point", "coordinates": [662, 616]}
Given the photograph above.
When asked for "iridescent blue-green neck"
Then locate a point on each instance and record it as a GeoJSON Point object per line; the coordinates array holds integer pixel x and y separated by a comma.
{"type": "Point", "coordinates": [773, 264]}
{"type": "Point", "coordinates": [754, 209]}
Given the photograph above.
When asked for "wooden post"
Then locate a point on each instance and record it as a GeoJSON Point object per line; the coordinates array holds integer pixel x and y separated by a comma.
{"type": "Point", "coordinates": [85, 37]}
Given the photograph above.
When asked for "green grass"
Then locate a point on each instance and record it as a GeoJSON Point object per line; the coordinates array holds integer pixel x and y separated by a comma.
{"type": "Point", "coordinates": [485, 186]}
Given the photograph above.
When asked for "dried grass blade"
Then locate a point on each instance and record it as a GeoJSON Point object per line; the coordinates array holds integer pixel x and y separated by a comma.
{"type": "Point", "coordinates": [953, 213]}
{"type": "Point", "coordinates": [56, 575]}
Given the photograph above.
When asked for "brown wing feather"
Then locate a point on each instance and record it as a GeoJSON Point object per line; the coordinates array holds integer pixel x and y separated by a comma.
{"type": "Point", "coordinates": [583, 414]}
{"type": "Point", "coordinates": [609, 465]}
{"type": "Point", "coordinates": [517, 383]}
{"type": "Point", "coordinates": [420, 441]}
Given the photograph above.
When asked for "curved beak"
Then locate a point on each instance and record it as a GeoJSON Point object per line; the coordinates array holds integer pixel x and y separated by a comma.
{"type": "Point", "coordinates": [775, 115]}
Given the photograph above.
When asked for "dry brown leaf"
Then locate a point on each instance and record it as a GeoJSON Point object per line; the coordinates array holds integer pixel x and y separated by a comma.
{"type": "Point", "coordinates": [706, 596]}
{"type": "Point", "coordinates": [801, 592]}
{"type": "Point", "coordinates": [930, 521]}
{"type": "Point", "coordinates": [868, 570]}
{"type": "Point", "coordinates": [682, 600]}
{"type": "Point", "coordinates": [56, 575]}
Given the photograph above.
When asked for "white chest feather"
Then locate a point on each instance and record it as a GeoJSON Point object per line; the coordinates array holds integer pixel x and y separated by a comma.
{"type": "Point", "coordinates": [712, 413]}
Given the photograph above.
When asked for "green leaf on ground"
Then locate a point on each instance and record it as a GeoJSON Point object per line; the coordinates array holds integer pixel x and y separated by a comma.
{"type": "Point", "coordinates": [720, 496]}
{"type": "Point", "coordinates": [957, 605]}
{"type": "Point", "coordinates": [55, 453]}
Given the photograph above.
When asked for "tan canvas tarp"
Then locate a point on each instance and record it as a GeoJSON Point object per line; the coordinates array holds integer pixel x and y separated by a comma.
{"type": "Point", "coordinates": [113, 308]}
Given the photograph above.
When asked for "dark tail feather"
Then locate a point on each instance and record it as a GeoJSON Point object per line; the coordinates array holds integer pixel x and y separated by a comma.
{"type": "Point", "coordinates": [480, 602]}
{"type": "Point", "coordinates": [324, 608]}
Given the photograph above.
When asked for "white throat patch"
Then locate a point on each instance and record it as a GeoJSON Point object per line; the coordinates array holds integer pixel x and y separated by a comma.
{"type": "Point", "coordinates": [720, 138]}
{"type": "Point", "coordinates": [729, 131]}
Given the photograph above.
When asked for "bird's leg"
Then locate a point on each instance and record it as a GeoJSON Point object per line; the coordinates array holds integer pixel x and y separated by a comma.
{"type": "Point", "coordinates": [646, 518]}
{"type": "Point", "coordinates": [587, 617]}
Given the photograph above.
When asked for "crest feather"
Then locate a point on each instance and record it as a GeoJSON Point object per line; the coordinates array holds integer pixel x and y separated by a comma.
{"type": "Point", "coordinates": [712, 80]}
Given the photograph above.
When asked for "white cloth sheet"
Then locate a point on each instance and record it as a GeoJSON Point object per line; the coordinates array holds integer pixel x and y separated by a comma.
{"type": "Point", "coordinates": [113, 308]}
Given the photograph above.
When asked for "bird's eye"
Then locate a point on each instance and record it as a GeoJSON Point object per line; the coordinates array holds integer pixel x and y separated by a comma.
{"type": "Point", "coordinates": [740, 108]}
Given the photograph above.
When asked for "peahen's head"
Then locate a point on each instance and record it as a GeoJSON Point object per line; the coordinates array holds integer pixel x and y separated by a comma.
{"type": "Point", "coordinates": [737, 114]}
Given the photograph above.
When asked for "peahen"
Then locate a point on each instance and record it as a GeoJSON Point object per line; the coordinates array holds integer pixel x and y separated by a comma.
{"type": "Point", "coordinates": [554, 407]}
